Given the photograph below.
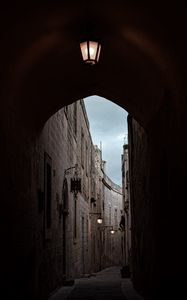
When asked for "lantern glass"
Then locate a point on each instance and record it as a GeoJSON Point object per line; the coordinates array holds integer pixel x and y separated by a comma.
{"type": "Point", "coordinates": [84, 50]}
{"type": "Point", "coordinates": [112, 231]}
{"type": "Point", "coordinates": [93, 50]}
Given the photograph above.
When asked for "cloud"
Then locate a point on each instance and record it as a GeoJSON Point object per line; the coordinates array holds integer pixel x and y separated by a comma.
{"type": "Point", "coordinates": [108, 124]}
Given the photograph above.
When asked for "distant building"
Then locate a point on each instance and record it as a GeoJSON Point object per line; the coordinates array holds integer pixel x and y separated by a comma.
{"type": "Point", "coordinates": [112, 208]}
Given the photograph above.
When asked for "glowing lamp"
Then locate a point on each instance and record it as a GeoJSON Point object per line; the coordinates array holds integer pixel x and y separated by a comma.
{"type": "Point", "coordinates": [90, 51]}
{"type": "Point", "coordinates": [99, 221]}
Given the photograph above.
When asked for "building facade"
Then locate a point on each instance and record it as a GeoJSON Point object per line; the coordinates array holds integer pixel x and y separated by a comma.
{"type": "Point", "coordinates": [110, 208]}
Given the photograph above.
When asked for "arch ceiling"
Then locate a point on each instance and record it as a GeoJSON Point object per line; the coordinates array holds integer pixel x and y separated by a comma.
{"type": "Point", "coordinates": [41, 60]}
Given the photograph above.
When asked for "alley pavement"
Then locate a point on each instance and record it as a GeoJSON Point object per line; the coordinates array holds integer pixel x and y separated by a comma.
{"type": "Point", "coordinates": [106, 284]}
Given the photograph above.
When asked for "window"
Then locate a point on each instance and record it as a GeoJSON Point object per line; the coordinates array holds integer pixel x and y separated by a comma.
{"type": "Point", "coordinates": [110, 211]}
{"type": "Point", "coordinates": [86, 158]}
{"type": "Point", "coordinates": [47, 191]}
{"type": "Point", "coordinates": [82, 148]}
{"type": "Point", "coordinates": [75, 118]}
{"type": "Point", "coordinates": [75, 219]}
{"type": "Point", "coordinates": [115, 216]}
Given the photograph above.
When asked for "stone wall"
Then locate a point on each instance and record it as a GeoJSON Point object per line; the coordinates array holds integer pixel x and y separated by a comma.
{"type": "Point", "coordinates": [157, 183]}
{"type": "Point", "coordinates": [140, 203]}
{"type": "Point", "coordinates": [126, 221]}
{"type": "Point", "coordinates": [61, 140]}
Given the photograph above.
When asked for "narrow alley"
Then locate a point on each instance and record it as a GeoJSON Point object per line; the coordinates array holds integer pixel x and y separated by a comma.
{"type": "Point", "coordinates": [104, 285]}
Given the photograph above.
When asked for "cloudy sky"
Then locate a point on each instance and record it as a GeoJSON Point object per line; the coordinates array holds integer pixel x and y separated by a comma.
{"type": "Point", "coordinates": [108, 125]}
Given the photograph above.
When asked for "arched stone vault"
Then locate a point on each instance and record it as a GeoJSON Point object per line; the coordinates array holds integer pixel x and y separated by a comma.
{"type": "Point", "coordinates": [43, 59]}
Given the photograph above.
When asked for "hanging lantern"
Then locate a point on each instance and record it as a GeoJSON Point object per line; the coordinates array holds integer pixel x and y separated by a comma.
{"type": "Point", "coordinates": [99, 218]}
{"type": "Point", "coordinates": [90, 51]}
{"type": "Point", "coordinates": [75, 185]}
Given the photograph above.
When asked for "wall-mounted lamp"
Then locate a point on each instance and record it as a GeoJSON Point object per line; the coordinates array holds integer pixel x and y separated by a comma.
{"type": "Point", "coordinates": [99, 219]}
{"type": "Point", "coordinates": [75, 185]}
{"type": "Point", "coordinates": [112, 231]}
{"type": "Point", "coordinates": [75, 180]}
{"type": "Point", "coordinates": [90, 51]}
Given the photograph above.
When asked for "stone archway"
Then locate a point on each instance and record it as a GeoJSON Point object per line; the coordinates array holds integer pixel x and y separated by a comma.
{"type": "Point", "coordinates": [142, 68]}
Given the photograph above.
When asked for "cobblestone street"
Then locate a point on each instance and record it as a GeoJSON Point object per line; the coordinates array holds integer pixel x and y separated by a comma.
{"type": "Point", "coordinates": [106, 284]}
